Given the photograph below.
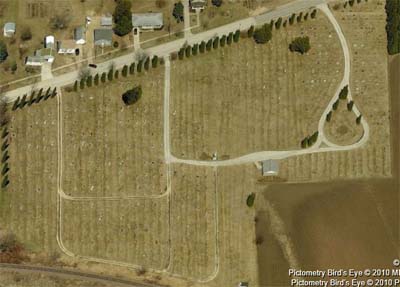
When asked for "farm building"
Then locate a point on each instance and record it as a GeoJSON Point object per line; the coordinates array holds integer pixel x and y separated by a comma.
{"type": "Point", "coordinates": [106, 21]}
{"type": "Point", "coordinates": [148, 21]}
{"type": "Point", "coordinates": [66, 47]}
{"type": "Point", "coordinates": [49, 42]}
{"type": "Point", "coordinates": [198, 5]}
{"type": "Point", "coordinates": [103, 37]}
{"type": "Point", "coordinates": [9, 29]}
{"type": "Point", "coordinates": [270, 167]}
{"type": "Point", "coordinates": [40, 56]}
{"type": "Point", "coordinates": [80, 35]}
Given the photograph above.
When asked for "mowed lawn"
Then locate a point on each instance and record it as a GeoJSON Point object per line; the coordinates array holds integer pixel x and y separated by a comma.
{"type": "Point", "coordinates": [248, 97]}
{"type": "Point", "coordinates": [110, 149]}
{"type": "Point", "coordinates": [28, 205]}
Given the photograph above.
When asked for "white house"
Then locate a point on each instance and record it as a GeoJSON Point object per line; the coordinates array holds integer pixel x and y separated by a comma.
{"type": "Point", "coordinates": [40, 56]}
{"type": "Point", "coordinates": [49, 42]}
{"type": "Point", "coordinates": [270, 167]}
{"type": "Point", "coordinates": [80, 35]}
{"type": "Point", "coordinates": [9, 29]}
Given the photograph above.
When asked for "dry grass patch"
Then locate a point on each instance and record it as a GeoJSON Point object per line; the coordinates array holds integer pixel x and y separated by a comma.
{"type": "Point", "coordinates": [247, 98]}
{"type": "Point", "coordinates": [193, 221]}
{"type": "Point", "coordinates": [364, 30]}
{"type": "Point", "coordinates": [111, 149]}
{"type": "Point", "coordinates": [28, 206]}
{"type": "Point", "coordinates": [342, 129]}
{"type": "Point", "coordinates": [128, 231]}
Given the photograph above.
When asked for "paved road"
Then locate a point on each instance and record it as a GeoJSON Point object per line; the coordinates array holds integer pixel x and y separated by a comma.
{"type": "Point", "coordinates": [70, 274]}
{"type": "Point", "coordinates": [173, 46]}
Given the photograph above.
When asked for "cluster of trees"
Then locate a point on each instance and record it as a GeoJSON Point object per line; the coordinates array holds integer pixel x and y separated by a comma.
{"type": "Point", "coordinates": [187, 50]}
{"type": "Point", "coordinates": [300, 45]}
{"type": "Point", "coordinates": [393, 26]}
{"type": "Point", "coordinates": [34, 98]}
{"type": "Point", "coordinates": [309, 141]}
{"type": "Point", "coordinates": [177, 12]}
{"type": "Point", "coordinates": [123, 17]}
{"type": "Point", "coordinates": [3, 52]}
{"type": "Point", "coordinates": [263, 34]}
{"type": "Point", "coordinates": [132, 96]}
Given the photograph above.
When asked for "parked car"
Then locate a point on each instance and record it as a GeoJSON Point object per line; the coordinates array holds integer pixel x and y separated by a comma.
{"type": "Point", "coordinates": [93, 66]}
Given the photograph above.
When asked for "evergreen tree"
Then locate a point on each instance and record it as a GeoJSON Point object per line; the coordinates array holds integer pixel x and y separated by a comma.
{"type": "Point", "coordinates": [344, 92]}
{"type": "Point", "coordinates": [139, 66]}
{"type": "Point", "coordinates": [329, 116]}
{"type": "Point", "coordinates": [125, 71]}
{"type": "Point", "coordinates": [195, 49]}
{"type": "Point", "coordinates": [188, 50]}
{"type": "Point", "coordinates": [335, 105]}
{"type": "Point", "coordinates": [250, 32]}
{"type": "Point", "coordinates": [16, 104]}
{"type": "Point", "coordinates": [358, 119]}
{"type": "Point", "coordinates": [132, 69]}
{"type": "Point", "coordinates": [110, 75]}
{"type": "Point", "coordinates": [215, 42]}
{"type": "Point", "coordinates": [278, 23]}
{"type": "Point", "coordinates": [31, 99]}
{"type": "Point", "coordinates": [313, 13]}
{"type": "Point", "coordinates": [229, 39]}
{"type": "Point", "coordinates": [82, 84]}
{"type": "Point", "coordinates": [300, 45]}
{"type": "Point", "coordinates": [202, 47]}
{"type": "Point", "coordinates": [291, 19]}
{"type": "Point", "coordinates": [350, 105]}
{"type": "Point", "coordinates": [154, 61]}
{"type": "Point", "coordinates": [222, 41]}
{"type": "Point", "coordinates": [147, 63]}
{"type": "Point", "coordinates": [209, 45]}
{"type": "Point", "coordinates": [76, 86]}
{"type": "Point", "coordinates": [263, 34]}
{"type": "Point", "coordinates": [116, 74]}
{"type": "Point", "coordinates": [96, 79]}
{"type": "Point", "coordinates": [181, 53]}
{"type": "Point", "coordinates": [89, 81]}
{"type": "Point", "coordinates": [23, 101]}
{"type": "Point", "coordinates": [236, 36]}
{"type": "Point", "coordinates": [103, 77]}
{"type": "Point", "coordinates": [54, 93]}
{"type": "Point", "coordinates": [132, 96]}
{"type": "Point", "coordinates": [123, 18]}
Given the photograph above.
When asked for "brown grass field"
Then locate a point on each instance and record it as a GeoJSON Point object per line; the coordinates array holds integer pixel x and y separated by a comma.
{"type": "Point", "coordinates": [28, 207]}
{"type": "Point", "coordinates": [342, 128]}
{"type": "Point", "coordinates": [110, 149]}
{"type": "Point", "coordinates": [247, 98]}
{"type": "Point", "coordinates": [364, 28]}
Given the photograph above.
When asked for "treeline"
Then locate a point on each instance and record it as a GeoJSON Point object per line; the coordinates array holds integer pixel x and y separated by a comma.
{"type": "Point", "coordinates": [34, 98]}
{"type": "Point", "coordinates": [393, 26]}
{"type": "Point", "coordinates": [142, 65]}
{"type": "Point", "coordinates": [4, 120]}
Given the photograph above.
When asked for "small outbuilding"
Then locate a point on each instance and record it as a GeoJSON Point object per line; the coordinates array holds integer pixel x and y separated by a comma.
{"type": "Point", "coordinates": [49, 42]}
{"type": "Point", "coordinates": [106, 21]}
{"type": "Point", "coordinates": [148, 21]}
{"type": "Point", "coordinates": [270, 167]}
{"type": "Point", "coordinates": [9, 29]}
{"type": "Point", "coordinates": [66, 47]}
{"type": "Point", "coordinates": [197, 5]}
{"type": "Point", "coordinates": [80, 35]}
{"type": "Point", "coordinates": [103, 37]}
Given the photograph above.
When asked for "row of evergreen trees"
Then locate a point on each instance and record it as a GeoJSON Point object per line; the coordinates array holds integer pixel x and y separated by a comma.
{"type": "Point", "coordinates": [350, 104]}
{"type": "Point", "coordinates": [214, 43]}
{"type": "Point", "coordinates": [35, 98]}
{"type": "Point", "coordinates": [144, 64]}
{"type": "Point", "coordinates": [5, 156]}
{"type": "Point", "coordinates": [393, 26]}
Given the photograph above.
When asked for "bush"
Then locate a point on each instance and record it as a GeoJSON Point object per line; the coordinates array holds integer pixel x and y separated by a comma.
{"type": "Point", "coordinates": [123, 18]}
{"type": "Point", "coordinates": [188, 50]}
{"type": "Point", "coordinates": [125, 71]}
{"type": "Point", "coordinates": [195, 48]}
{"type": "Point", "coordinates": [350, 106]}
{"type": "Point", "coordinates": [222, 41]}
{"type": "Point", "coordinates": [263, 34]}
{"type": "Point", "coordinates": [3, 51]}
{"type": "Point", "coordinates": [132, 69]}
{"type": "Point", "coordinates": [300, 45]}
{"type": "Point", "coordinates": [209, 45]}
{"type": "Point", "coordinates": [26, 34]}
{"type": "Point", "coordinates": [278, 23]}
{"type": "Point", "coordinates": [132, 96]}
{"type": "Point", "coordinates": [215, 42]}
{"type": "Point", "coordinates": [96, 79]}
{"type": "Point", "coordinates": [216, 3]}
{"type": "Point", "coordinates": [115, 44]}
{"type": "Point", "coordinates": [154, 61]}
{"type": "Point", "coordinates": [250, 32]}
{"type": "Point", "coordinates": [178, 12]}
{"type": "Point", "coordinates": [250, 199]}
{"type": "Point", "coordinates": [202, 47]}
{"type": "Point", "coordinates": [344, 92]}
{"type": "Point", "coordinates": [229, 39]}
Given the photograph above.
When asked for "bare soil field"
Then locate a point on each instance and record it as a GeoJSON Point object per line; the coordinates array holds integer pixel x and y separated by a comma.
{"type": "Point", "coordinates": [342, 129]}
{"type": "Point", "coordinates": [249, 97]}
{"type": "Point", "coordinates": [111, 149]}
{"type": "Point", "coordinates": [130, 231]}
{"type": "Point", "coordinates": [364, 29]}
{"type": "Point", "coordinates": [194, 222]}
{"type": "Point", "coordinates": [28, 206]}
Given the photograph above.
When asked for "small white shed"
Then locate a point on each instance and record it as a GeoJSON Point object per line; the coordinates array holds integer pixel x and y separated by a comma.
{"type": "Point", "coordinates": [9, 29]}
{"type": "Point", "coordinates": [270, 167]}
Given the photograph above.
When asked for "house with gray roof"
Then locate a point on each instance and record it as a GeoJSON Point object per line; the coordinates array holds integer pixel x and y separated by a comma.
{"type": "Point", "coordinates": [80, 35]}
{"type": "Point", "coordinates": [106, 21]}
{"type": "Point", "coordinates": [103, 37]}
{"type": "Point", "coordinates": [39, 57]}
{"type": "Point", "coordinates": [270, 167]}
{"type": "Point", "coordinates": [9, 29]}
{"type": "Point", "coordinates": [147, 21]}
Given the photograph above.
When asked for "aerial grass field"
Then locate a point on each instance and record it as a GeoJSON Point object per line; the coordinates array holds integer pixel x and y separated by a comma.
{"type": "Point", "coordinates": [111, 149]}
{"type": "Point", "coordinates": [28, 206]}
{"type": "Point", "coordinates": [247, 97]}
{"type": "Point", "coordinates": [364, 28]}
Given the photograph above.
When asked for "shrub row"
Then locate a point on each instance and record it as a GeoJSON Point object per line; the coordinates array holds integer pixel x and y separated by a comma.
{"type": "Point", "coordinates": [5, 156]}
{"type": "Point", "coordinates": [309, 141]}
{"type": "Point", "coordinates": [393, 26]}
{"type": "Point", "coordinates": [34, 98]}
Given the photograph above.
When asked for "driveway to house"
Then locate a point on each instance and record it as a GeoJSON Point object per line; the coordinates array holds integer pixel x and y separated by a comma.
{"type": "Point", "coordinates": [173, 46]}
